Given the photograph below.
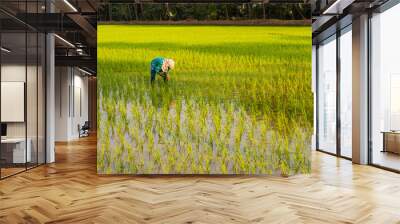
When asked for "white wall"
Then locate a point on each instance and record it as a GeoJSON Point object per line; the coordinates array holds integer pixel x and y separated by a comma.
{"type": "Point", "coordinates": [12, 73]}
{"type": "Point", "coordinates": [79, 117]}
{"type": "Point", "coordinates": [33, 126]}
{"type": "Point", "coordinates": [70, 83]}
{"type": "Point", "coordinates": [62, 82]}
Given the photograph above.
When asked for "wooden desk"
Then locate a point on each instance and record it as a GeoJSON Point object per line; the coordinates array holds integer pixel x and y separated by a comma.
{"type": "Point", "coordinates": [391, 141]}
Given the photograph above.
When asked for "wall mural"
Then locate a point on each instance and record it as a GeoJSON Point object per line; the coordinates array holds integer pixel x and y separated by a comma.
{"type": "Point", "coordinates": [204, 99]}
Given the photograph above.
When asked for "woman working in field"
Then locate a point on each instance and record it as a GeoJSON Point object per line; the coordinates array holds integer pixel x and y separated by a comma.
{"type": "Point", "coordinates": [161, 66]}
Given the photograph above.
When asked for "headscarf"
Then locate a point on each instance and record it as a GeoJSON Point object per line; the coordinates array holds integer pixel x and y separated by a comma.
{"type": "Point", "coordinates": [168, 64]}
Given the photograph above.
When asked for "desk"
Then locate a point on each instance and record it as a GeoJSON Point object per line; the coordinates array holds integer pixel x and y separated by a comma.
{"type": "Point", "coordinates": [13, 150]}
{"type": "Point", "coordinates": [391, 141]}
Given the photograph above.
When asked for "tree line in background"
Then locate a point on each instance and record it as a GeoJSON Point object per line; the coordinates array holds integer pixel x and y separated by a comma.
{"type": "Point", "coordinates": [210, 11]}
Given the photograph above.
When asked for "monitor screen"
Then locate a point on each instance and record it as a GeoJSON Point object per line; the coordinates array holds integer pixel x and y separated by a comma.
{"type": "Point", "coordinates": [3, 129]}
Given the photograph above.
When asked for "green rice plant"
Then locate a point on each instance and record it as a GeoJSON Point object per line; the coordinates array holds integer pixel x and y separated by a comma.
{"type": "Point", "coordinates": [233, 105]}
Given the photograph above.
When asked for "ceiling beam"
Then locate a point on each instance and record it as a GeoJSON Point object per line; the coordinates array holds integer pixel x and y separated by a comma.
{"type": "Point", "coordinates": [204, 1]}
{"type": "Point", "coordinates": [78, 61]}
{"type": "Point", "coordinates": [84, 24]}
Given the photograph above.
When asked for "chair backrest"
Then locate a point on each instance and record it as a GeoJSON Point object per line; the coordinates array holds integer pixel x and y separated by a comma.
{"type": "Point", "coordinates": [86, 125]}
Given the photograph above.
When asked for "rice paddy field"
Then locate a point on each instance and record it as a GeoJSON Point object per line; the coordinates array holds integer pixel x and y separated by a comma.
{"type": "Point", "coordinates": [239, 100]}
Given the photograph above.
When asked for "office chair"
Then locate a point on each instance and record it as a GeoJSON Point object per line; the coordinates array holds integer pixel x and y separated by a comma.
{"type": "Point", "coordinates": [84, 130]}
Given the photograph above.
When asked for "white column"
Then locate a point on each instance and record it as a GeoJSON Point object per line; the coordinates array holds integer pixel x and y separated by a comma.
{"type": "Point", "coordinates": [50, 92]}
{"type": "Point", "coordinates": [360, 90]}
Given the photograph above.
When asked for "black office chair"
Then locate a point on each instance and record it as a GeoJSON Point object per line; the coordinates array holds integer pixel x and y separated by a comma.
{"type": "Point", "coordinates": [84, 130]}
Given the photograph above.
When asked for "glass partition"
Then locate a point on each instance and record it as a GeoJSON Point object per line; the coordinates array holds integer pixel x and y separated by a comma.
{"type": "Point", "coordinates": [346, 92]}
{"type": "Point", "coordinates": [14, 153]}
{"type": "Point", "coordinates": [327, 95]}
{"type": "Point", "coordinates": [22, 77]}
{"type": "Point", "coordinates": [385, 89]}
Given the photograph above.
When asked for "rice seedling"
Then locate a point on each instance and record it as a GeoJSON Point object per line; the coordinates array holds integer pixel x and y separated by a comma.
{"type": "Point", "coordinates": [238, 102]}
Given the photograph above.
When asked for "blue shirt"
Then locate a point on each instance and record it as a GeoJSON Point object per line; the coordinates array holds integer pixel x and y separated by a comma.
{"type": "Point", "coordinates": [156, 64]}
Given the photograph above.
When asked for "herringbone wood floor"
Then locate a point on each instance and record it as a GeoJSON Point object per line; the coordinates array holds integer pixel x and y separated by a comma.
{"type": "Point", "coordinates": [70, 191]}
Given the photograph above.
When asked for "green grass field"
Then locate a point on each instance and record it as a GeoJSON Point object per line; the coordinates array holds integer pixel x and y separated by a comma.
{"type": "Point", "coordinates": [239, 100]}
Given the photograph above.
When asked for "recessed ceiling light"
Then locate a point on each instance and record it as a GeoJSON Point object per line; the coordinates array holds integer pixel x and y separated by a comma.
{"type": "Point", "coordinates": [84, 71]}
{"type": "Point", "coordinates": [65, 41]}
{"type": "Point", "coordinates": [5, 50]}
{"type": "Point", "coordinates": [337, 7]}
{"type": "Point", "coordinates": [70, 5]}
